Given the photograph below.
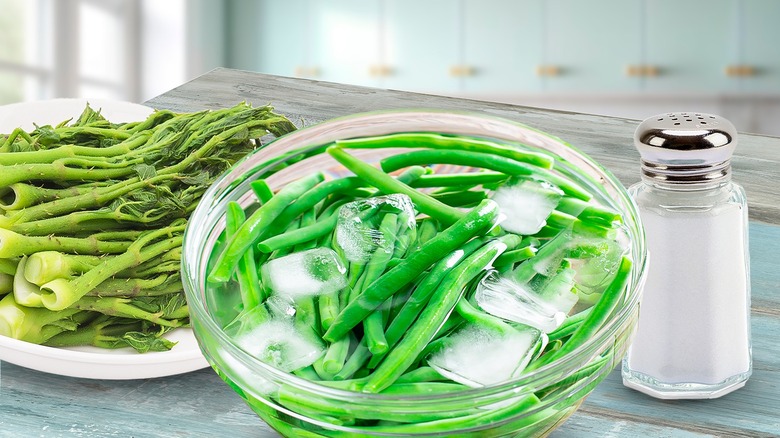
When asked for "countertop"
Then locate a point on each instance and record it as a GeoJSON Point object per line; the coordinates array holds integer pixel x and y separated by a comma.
{"type": "Point", "coordinates": [199, 404]}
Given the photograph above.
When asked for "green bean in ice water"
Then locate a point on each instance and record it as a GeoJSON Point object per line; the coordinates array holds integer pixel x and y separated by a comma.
{"type": "Point", "coordinates": [411, 285]}
{"type": "Point", "coordinates": [477, 222]}
{"type": "Point", "coordinates": [256, 224]}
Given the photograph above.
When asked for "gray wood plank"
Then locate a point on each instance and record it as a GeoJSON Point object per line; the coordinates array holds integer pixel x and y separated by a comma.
{"type": "Point", "coordinates": [196, 404]}
{"type": "Point", "coordinates": [606, 139]}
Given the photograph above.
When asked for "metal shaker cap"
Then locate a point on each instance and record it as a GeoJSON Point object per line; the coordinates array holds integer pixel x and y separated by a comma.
{"type": "Point", "coordinates": [686, 147]}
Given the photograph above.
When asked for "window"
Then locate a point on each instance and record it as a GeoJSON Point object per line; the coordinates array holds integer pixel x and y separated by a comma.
{"type": "Point", "coordinates": [114, 49]}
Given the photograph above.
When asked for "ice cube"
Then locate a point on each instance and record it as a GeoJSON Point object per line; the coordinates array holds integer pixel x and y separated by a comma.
{"type": "Point", "coordinates": [526, 205]}
{"type": "Point", "coordinates": [597, 271]}
{"type": "Point", "coordinates": [478, 356]}
{"type": "Point", "coordinates": [512, 301]}
{"type": "Point", "coordinates": [557, 290]}
{"type": "Point", "coordinates": [312, 272]}
{"type": "Point", "coordinates": [276, 340]}
{"type": "Point", "coordinates": [357, 229]}
{"type": "Point", "coordinates": [281, 306]}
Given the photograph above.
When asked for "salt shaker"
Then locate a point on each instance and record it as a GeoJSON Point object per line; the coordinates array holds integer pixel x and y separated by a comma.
{"type": "Point", "coordinates": [693, 335]}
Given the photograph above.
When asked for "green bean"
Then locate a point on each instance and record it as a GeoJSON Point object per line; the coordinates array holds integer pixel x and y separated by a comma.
{"type": "Point", "coordinates": [442, 141]}
{"type": "Point", "coordinates": [284, 250]}
{"type": "Point", "coordinates": [356, 360]}
{"type": "Point", "coordinates": [262, 190]}
{"type": "Point", "coordinates": [406, 236]}
{"type": "Point", "coordinates": [481, 417]}
{"type": "Point", "coordinates": [461, 199]}
{"type": "Point", "coordinates": [306, 312]}
{"type": "Point", "coordinates": [569, 325]}
{"type": "Point", "coordinates": [336, 355]}
{"type": "Point", "coordinates": [254, 227]}
{"type": "Point", "coordinates": [480, 318]}
{"type": "Point", "coordinates": [412, 174]}
{"type": "Point", "coordinates": [387, 184]}
{"type": "Point", "coordinates": [422, 294]}
{"type": "Point", "coordinates": [588, 212]}
{"type": "Point", "coordinates": [300, 235]}
{"type": "Point", "coordinates": [426, 230]}
{"type": "Point", "coordinates": [547, 253]}
{"type": "Point", "coordinates": [374, 332]}
{"type": "Point", "coordinates": [477, 221]}
{"type": "Point", "coordinates": [598, 315]}
{"type": "Point", "coordinates": [471, 179]}
{"type": "Point", "coordinates": [598, 364]}
{"type": "Point", "coordinates": [431, 318]}
{"type": "Point", "coordinates": [421, 374]}
{"type": "Point", "coordinates": [248, 279]}
{"type": "Point", "coordinates": [355, 271]}
{"type": "Point", "coordinates": [308, 220]}
{"type": "Point", "coordinates": [307, 373]}
{"type": "Point", "coordinates": [319, 368]}
{"type": "Point", "coordinates": [373, 325]}
{"type": "Point", "coordinates": [505, 261]}
{"type": "Point", "coordinates": [347, 410]}
{"type": "Point", "coordinates": [329, 307]}
{"type": "Point", "coordinates": [312, 197]}
{"type": "Point", "coordinates": [485, 161]}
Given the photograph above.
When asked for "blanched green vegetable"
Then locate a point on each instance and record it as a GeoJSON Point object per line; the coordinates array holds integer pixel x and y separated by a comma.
{"type": "Point", "coordinates": [406, 294]}
{"type": "Point", "coordinates": [93, 215]}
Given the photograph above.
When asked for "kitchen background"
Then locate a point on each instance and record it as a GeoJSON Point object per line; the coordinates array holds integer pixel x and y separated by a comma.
{"type": "Point", "coordinates": [630, 58]}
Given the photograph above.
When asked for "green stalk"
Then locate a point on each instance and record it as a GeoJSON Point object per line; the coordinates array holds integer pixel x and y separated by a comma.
{"type": "Point", "coordinates": [137, 287]}
{"type": "Point", "coordinates": [124, 308]}
{"type": "Point", "coordinates": [45, 266]}
{"type": "Point", "coordinates": [61, 293]}
{"type": "Point", "coordinates": [15, 245]}
{"type": "Point", "coordinates": [24, 323]}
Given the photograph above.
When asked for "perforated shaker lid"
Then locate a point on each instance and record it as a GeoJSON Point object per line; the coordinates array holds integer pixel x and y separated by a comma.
{"type": "Point", "coordinates": [685, 147]}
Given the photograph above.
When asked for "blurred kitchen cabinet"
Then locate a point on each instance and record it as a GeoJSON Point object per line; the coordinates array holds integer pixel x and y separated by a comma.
{"type": "Point", "coordinates": [496, 48]}
{"type": "Point", "coordinates": [759, 51]}
{"type": "Point", "coordinates": [690, 43]}
{"type": "Point", "coordinates": [500, 46]}
{"type": "Point", "coordinates": [330, 41]}
{"type": "Point", "coordinates": [465, 46]}
{"type": "Point", "coordinates": [589, 46]}
{"type": "Point", "coordinates": [421, 44]}
{"type": "Point", "coordinates": [345, 40]}
{"type": "Point", "coordinates": [278, 41]}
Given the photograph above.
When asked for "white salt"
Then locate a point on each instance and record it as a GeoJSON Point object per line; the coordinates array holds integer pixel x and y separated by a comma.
{"type": "Point", "coordinates": [694, 323]}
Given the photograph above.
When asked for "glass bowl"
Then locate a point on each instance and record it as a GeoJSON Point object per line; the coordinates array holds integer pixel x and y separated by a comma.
{"type": "Point", "coordinates": [564, 383]}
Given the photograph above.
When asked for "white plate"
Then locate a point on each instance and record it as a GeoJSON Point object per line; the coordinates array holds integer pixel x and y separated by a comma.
{"type": "Point", "coordinates": [93, 362]}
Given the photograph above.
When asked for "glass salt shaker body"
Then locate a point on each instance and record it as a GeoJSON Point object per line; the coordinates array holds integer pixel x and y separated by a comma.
{"type": "Point", "coordinates": [693, 335]}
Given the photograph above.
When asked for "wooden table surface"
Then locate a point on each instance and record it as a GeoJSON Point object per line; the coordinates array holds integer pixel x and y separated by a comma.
{"type": "Point", "coordinates": [198, 404]}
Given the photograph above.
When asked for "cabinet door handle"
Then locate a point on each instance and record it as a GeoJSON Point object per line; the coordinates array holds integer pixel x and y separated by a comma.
{"type": "Point", "coordinates": [460, 71]}
{"type": "Point", "coordinates": [740, 71]}
{"type": "Point", "coordinates": [380, 70]}
{"type": "Point", "coordinates": [548, 70]}
{"type": "Point", "coordinates": [642, 70]}
{"type": "Point", "coordinates": [303, 71]}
